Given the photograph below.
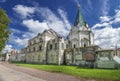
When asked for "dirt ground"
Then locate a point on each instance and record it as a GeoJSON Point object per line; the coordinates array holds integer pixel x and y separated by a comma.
{"type": "Point", "coordinates": [39, 75]}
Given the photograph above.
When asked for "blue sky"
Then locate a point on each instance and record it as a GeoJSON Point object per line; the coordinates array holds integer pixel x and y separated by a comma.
{"type": "Point", "coordinates": [30, 17]}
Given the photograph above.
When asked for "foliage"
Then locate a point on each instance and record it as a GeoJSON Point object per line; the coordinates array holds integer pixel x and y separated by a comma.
{"type": "Point", "coordinates": [2, 55]}
{"type": "Point", "coordinates": [102, 74]}
{"type": "Point", "coordinates": [4, 31]}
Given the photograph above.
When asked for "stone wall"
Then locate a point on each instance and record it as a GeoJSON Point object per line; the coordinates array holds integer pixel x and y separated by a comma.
{"type": "Point", "coordinates": [80, 56]}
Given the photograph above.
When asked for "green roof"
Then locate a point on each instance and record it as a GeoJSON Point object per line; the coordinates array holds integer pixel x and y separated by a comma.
{"type": "Point", "coordinates": [79, 19]}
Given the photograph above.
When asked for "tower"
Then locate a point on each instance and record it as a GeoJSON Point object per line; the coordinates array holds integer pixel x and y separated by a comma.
{"type": "Point", "coordinates": [80, 34]}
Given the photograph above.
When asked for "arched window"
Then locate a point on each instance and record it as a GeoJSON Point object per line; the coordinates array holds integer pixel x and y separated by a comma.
{"type": "Point", "coordinates": [74, 46]}
{"type": "Point", "coordinates": [40, 47]}
{"type": "Point", "coordinates": [84, 45]}
{"type": "Point", "coordinates": [33, 48]}
{"type": "Point", "coordinates": [50, 46]}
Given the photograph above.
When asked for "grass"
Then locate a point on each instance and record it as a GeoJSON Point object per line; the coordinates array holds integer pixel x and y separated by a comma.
{"type": "Point", "coordinates": [103, 74]}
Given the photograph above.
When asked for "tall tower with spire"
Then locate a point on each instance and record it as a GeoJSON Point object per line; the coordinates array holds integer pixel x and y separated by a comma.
{"type": "Point", "coordinates": [80, 34]}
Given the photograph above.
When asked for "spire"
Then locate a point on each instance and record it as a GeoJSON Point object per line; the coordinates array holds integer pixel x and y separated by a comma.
{"type": "Point", "coordinates": [79, 18]}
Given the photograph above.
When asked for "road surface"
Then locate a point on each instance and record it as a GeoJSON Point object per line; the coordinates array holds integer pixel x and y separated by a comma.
{"type": "Point", "coordinates": [11, 72]}
{"type": "Point", "coordinates": [7, 74]}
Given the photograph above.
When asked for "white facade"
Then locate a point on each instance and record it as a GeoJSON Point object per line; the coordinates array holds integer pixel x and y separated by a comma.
{"type": "Point", "coordinates": [49, 46]}
{"type": "Point", "coordinates": [80, 34]}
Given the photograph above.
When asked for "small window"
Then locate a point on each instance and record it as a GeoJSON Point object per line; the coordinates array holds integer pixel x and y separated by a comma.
{"type": "Point", "coordinates": [33, 48]}
{"type": "Point", "coordinates": [41, 40]}
{"type": "Point", "coordinates": [67, 46]}
{"type": "Point", "coordinates": [51, 47]}
{"type": "Point", "coordinates": [55, 45]}
{"type": "Point", "coordinates": [40, 47]}
{"type": "Point", "coordinates": [84, 45]}
{"type": "Point", "coordinates": [62, 45]}
{"type": "Point", "coordinates": [74, 46]}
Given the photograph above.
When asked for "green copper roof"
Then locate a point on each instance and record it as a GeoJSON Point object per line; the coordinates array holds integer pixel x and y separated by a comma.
{"type": "Point", "coordinates": [79, 19]}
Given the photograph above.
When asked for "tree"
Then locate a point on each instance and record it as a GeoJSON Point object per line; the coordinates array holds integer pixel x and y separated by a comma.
{"type": "Point", "coordinates": [4, 31]}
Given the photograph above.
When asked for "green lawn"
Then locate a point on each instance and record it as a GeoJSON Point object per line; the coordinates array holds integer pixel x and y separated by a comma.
{"type": "Point", "coordinates": [103, 74]}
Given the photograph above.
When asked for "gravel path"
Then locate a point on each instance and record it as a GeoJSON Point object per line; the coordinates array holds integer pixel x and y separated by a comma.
{"type": "Point", "coordinates": [48, 76]}
{"type": "Point", "coordinates": [7, 74]}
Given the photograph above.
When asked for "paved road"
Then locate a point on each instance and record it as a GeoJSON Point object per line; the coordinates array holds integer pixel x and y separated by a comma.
{"type": "Point", "coordinates": [7, 74]}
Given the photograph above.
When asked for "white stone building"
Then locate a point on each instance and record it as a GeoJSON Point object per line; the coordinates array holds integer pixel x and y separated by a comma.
{"type": "Point", "coordinates": [80, 34]}
{"type": "Point", "coordinates": [49, 46]}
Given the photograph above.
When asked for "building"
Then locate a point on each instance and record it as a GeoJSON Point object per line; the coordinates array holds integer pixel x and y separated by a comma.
{"type": "Point", "coordinates": [49, 46]}
{"type": "Point", "coordinates": [80, 34]}
{"type": "Point", "coordinates": [78, 48]}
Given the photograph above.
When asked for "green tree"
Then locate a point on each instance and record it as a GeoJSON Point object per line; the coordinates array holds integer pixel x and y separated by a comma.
{"type": "Point", "coordinates": [4, 31]}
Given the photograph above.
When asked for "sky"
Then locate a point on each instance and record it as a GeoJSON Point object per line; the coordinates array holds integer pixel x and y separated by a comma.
{"type": "Point", "coordinates": [30, 17]}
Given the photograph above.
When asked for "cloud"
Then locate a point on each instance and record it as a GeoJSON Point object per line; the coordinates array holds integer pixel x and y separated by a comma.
{"type": "Point", "coordinates": [101, 25]}
{"type": "Point", "coordinates": [106, 35]}
{"type": "Point", "coordinates": [105, 18]}
{"type": "Point", "coordinates": [50, 20]}
{"type": "Point", "coordinates": [24, 11]}
{"type": "Point", "coordinates": [57, 22]}
{"type": "Point", "coordinates": [20, 38]}
{"type": "Point", "coordinates": [60, 24]}
{"type": "Point", "coordinates": [35, 26]}
{"type": "Point", "coordinates": [64, 18]}
{"type": "Point", "coordinates": [105, 7]}
{"type": "Point", "coordinates": [8, 48]}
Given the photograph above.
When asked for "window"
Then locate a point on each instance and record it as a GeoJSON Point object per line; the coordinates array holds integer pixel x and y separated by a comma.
{"type": "Point", "coordinates": [74, 46]}
{"type": "Point", "coordinates": [29, 49]}
{"type": "Point", "coordinates": [55, 45]}
{"type": "Point", "coordinates": [33, 48]}
{"type": "Point", "coordinates": [50, 46]}
{"type": "Point", "coordinates": [84, 45]}
{"type": "Point", "coordinates": [62, 45]}
{"type": "Point", "coordinates": [40, 47]}
{"type": "Point", "coordinates": [41, 40]}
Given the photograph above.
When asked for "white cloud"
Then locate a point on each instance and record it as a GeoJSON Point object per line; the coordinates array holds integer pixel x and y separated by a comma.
{"type": "Point", "coordinates": [35, 26]}
{"type": "Point", "coordinates": [65, 20]}
{"type": "Point", "coordinates": [50, 20]}
{"type": "Point", "coordinates": [100, 25]}
{"type": "Point", "coordinates": [22, 41]}
{"type": "Point", "coordinates": [106, 35]}
{"type": "Point", "coordinates": [8, 48]}
{"type": "Point", "coordinates": [105, 18]}
{"type": "Point", "coordinates": [24, 11]}
{"type": "Point", "coordinates": [60, 25]}
{"type": "Point", "coordinates": [20, 38]}
{"type": "Point", "coordinates": [116, 17]}
{"type": "Point", "coordinates": [105, 7]}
